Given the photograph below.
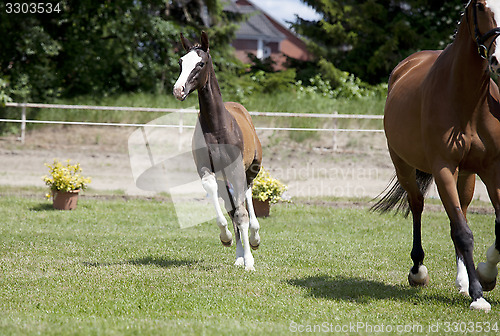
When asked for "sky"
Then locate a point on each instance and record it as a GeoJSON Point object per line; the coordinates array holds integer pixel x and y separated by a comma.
{"type": "Point", "coordinates": [285, 10]}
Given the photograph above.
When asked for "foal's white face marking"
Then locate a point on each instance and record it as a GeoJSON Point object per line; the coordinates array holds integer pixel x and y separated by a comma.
{"type": "Point", "coordinates": [494, 6]}
{"type": "Point", "coordinates": [189, 62]}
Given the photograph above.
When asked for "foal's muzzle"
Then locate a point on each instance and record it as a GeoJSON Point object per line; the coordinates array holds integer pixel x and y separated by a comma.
{"type": "Point", "coordinates": [180, 92]}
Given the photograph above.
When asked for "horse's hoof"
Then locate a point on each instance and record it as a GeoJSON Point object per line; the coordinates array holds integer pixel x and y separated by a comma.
{"type": "Point", "coordinates": [480, 304]}
{"type": "Point", "coordinates": [226, 243]}
{"type": "Point", "coordinates": [239, 261]}
{"type": "Point", "coordinates": [464, 293]}
{"type": "Point", "coordinates": [487, 276]}
{"type": "Point", "coordinates": [420, 279]}
{"type": "Point", "coordinates": [249, 268]}
{"type": "Point", "coordinates": [488, 285]}
{"type": "Point", "coordinates": [254, 247]}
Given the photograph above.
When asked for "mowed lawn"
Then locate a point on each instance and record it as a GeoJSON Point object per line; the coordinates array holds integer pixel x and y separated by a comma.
{"type": "Point", "coordinates": [125, 267]}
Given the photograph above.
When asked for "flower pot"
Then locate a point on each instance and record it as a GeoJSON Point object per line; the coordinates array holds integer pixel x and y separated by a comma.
{"type": "Point", "coordinates": [261, 208]}
{"type": "Point", "coordinates": [65, 200]}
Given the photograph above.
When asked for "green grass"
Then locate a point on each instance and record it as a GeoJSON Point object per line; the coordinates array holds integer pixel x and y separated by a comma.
{"type": "Point", "coordinates": [124, 267]}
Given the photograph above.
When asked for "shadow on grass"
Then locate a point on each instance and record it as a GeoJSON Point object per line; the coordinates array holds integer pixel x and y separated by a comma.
{"type": "Point", "coordinates": [43, 207]}
{"type": "Point", "coordinates": [147, 261]}
{"type": "Point", "coordinates": [360, 290]}
{"type": "Point", "coordinates": [162, 262]}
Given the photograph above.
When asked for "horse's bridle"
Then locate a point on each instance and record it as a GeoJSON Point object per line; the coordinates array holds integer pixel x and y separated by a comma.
{"type": "Point", "coordinates": [482, 50]}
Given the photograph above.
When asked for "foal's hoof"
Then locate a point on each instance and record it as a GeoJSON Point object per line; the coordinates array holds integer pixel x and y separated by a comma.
{"type": "Point", "coordinates": [254, 247]}
{"type": "Point", "coordinates": [487, 276]}
{"type": "Point", "coordinates": [480, 304]}
{"type": "Point", "coordinates": [419, 279]}
{"type": "Point", "coordinates": [228, 243]}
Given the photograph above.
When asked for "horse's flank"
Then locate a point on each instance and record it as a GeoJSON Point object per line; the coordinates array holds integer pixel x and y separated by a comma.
{"type": "Point", "coordinates": [244, 121]}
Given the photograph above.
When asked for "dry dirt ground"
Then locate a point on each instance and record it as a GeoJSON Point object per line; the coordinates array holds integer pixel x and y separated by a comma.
{"type": "Point", "coordinates": [116, 157]}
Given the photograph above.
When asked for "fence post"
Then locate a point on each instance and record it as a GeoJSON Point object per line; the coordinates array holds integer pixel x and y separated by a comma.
{"type": "Point", "coordinates": [181, 123]}
{"type": "Point", "coordinates": [334, 138]}
{"type": "Point", "coordinates": [23, 123]}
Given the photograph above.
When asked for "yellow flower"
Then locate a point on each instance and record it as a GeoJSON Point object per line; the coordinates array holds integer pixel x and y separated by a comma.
{"type": "Point", "coordinates": [65, 177]}
{"type": "Point", "coordinates": [266, 187]}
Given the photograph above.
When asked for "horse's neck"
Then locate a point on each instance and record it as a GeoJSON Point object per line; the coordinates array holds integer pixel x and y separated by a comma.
{"type": "Point", "coordinates": [213, 115]}
{"type": "Point", "coordinates": [470, 77]}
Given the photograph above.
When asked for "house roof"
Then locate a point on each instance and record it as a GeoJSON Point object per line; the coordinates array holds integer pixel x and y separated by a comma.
{"type": "Point", "coordinates": [257, 26]}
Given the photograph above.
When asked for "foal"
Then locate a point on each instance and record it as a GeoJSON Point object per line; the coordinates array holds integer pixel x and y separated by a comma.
{"type": "Point", "coordinates": [226, 149]}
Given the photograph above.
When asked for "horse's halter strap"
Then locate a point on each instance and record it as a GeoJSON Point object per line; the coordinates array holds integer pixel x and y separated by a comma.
{"type": "Point", "coordinates": [482, 50]}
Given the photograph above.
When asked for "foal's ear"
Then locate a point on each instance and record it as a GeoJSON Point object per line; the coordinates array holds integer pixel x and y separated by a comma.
{"type": "Point", "coordinates": [186, 44]}
{"type": "Point", "coordinates": [204, 41]}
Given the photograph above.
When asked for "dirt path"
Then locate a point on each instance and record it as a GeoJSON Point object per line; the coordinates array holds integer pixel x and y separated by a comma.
{"type": "Point", "coordinates": [116, 157]}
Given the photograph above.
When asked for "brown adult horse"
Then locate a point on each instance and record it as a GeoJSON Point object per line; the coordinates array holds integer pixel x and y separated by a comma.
{"type": "Point", "coordinates": [442, 121]}
{"type": "Point", "coordinates": [226, 149]}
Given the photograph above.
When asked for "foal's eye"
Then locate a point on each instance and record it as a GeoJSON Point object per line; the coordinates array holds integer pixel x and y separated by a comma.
{"type": "Point", "coordinates": [201, 64]}
{"type": "Point", "coordinates": [480, 7]}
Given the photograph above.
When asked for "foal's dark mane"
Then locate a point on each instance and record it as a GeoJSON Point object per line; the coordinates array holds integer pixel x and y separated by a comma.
{"type": "Point", "coordinates": [196, 46]}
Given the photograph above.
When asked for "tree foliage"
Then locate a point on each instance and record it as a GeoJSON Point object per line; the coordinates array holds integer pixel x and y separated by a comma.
{"type": "Point", "coordinates": [103, 47]}
{"type": "Point", "coordinates": [368, 38]}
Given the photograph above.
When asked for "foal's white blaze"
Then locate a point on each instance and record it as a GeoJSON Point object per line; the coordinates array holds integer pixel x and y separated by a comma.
{"type": "Point", "coordinates": [189, 62]}
{"type": "Point", "coordinates": [494, 6]}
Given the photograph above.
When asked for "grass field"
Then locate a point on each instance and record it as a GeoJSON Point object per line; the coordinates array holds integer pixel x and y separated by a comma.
{"type": "Point", "coordinates": [124, 267]}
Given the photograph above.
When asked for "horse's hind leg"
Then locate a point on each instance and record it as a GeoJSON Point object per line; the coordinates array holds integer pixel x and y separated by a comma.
{"type": "Point", "coordinates": [242, 224]}
{"type": "Point", "coordinates": [463, 239]}
{"type": "Point", "coordinates": [254, 223]}
{"type": "Point", "coordinates": [465, 185]}
{"type": "Point", "coordinates": [488, 271]}
{"type": "Point", "coordinates": [210, 185]}
{"type": "Point", "coordinates": [418, 275]}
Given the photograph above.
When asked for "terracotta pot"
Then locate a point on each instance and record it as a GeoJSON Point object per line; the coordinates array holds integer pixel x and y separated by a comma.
{"type": "Point", "coordinates": [65, 200]}
{"type": "Point", "coordinates": [261, 208]}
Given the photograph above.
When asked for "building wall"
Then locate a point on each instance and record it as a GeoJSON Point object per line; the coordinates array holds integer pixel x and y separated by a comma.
{"type": "Point", "coordinates": [291, 46]}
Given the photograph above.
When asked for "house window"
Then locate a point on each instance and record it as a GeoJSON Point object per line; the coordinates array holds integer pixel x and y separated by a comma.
{"type": "Point", "coordinates": [263, 50]}
{"type": "Point", "coordinates": [260, 49]}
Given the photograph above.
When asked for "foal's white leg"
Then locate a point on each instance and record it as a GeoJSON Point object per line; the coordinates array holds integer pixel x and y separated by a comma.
{"type": "Point", "coordinates": [488, 271]}
{"type": "Point", "coordinates": [240, 253]}
{"type": "Point", "coordinates": [254, 223]}
{"type": "Point", "coordinates": [462, 281]}
{"type": "Point", "coordinates": [210, 185]}
{"type": "Point", "coordinates": [242, 244]}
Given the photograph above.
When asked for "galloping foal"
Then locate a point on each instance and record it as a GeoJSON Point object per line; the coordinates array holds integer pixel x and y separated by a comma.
{"type": "Point", "coordinates": [226, 149]}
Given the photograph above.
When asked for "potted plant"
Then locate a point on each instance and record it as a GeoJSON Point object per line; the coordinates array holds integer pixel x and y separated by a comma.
{"type": "Point", "coordinates": [266, 190]}
{"type": "Point", "coordinates": [65, 182]}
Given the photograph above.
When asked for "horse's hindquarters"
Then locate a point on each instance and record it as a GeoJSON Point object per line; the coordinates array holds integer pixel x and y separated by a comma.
{"type": "Point", "coordinates": [402, 114]}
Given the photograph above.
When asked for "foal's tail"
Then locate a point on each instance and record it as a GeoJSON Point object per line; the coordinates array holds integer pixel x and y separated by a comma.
{"type": "Point", "coordinates": [396, 197]}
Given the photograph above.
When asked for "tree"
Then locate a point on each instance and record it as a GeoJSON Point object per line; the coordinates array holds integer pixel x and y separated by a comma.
{"type": "Point", "coordinates": [103, 47]}
{"type": "Point", "coordinates": [368, 38]}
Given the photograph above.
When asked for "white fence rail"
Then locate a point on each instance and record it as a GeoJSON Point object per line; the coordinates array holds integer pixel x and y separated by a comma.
{"type": "Point", "coordinates": [23, 121]}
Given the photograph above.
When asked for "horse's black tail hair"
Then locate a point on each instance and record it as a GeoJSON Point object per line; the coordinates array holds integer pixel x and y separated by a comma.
{"type": "Point", "coordinates": [397, 198]}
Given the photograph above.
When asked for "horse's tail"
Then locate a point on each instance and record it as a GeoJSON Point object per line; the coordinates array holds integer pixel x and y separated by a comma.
{"type": "Point", "coordinates": [396, 197]}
